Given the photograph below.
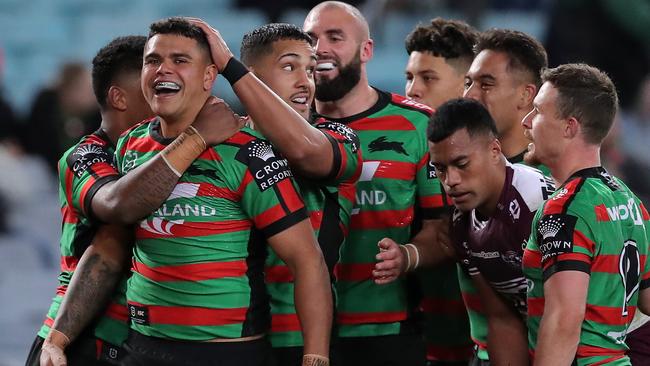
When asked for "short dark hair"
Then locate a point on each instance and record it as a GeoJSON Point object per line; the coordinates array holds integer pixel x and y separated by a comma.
{"type": "Point", "coordinates": [259, 41]}
{"type": "Point", "coordinates": [586, 93]}
{"type": "Point", "coordinates": [525, 52]}
{"type": "Point", "coordinates": [181, 27]}
{"type": "Point", "coordinates": [449, 39]}
{"type": "Point", "coordinates": [122, 55]}
{"type": "Point", "coordinates": [457, 114]}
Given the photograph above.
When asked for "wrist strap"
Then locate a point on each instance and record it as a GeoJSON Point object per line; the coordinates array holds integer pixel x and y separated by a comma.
{"type": "Point", "coordinates": [408, 258]}
{"type": "Point", "coordinates": [417, 254]}
{"type": "Point", "coordinates": [234, 71]}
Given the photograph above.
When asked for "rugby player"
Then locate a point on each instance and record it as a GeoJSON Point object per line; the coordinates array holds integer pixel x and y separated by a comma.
{"type": "Point", "coordinates": [374, 322]}
{"type": "Point", "coordinates": [586, 259]}
{"type": "Point", "coordinates": [84, 170]}
{"type": "Point", "coordinates": [197, 288]}
{"type": "Point", "coordinates": [440, 54]}
{"type": "Point", "coordinates": [325, 157]}
{"type": "Point", "coordinates": [495, 202]}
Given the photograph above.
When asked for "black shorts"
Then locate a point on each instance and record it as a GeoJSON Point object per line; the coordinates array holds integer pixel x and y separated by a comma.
{"type": "Point", "coordinates": [85, 351]}
{"type": "Point", "coordinates": [145, 351]}
{"type": "Point", "coordinates": [639, 343]}
{"type": "Point", "coordinates": [391, 350]}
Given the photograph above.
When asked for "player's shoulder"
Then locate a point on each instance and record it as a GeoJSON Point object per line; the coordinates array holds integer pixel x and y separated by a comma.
{"type": "Point", "coordinates": [140, 128]}
{"type": "Point", "coordinates": [90, 148]}
{"type": "Point", "coordinates": [339, 131]}
{"type": "Point", "coordinates": [531, 184]}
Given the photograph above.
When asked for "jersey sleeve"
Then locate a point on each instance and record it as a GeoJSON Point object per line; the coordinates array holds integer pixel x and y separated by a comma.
{"type": "Point", "coordinates": [565, 242]}
{"type": "Point", "coordinates": [269, 192]}
{"type": "Point", "coordinates": [347, 162]}
{"type": "Point", "coordinates": [432, 199]}
{"type": "Point", "coordinates": [88, 167]}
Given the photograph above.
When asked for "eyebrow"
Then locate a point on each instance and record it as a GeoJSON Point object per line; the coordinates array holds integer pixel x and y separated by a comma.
{"type": "Point", "coordinates": [458, 159]}
{"type": "Point", "coordinates": [295, 55]}
{"type": "Point", "coordinates": [174, 55]}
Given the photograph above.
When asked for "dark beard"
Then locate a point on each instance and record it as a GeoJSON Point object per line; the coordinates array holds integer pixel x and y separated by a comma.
{"type": "Point", "coordinates": [336, 88]}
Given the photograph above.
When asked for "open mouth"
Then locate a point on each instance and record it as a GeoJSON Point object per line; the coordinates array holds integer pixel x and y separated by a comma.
{"type": "Point", "coordinates": [325, 66]}
{"type": "Point", "coordinates": [166, 88]}
{"type": "Point", "coordinates": [301, 99]}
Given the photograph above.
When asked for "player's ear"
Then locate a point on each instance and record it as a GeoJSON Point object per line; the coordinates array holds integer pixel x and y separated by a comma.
{"type": "Point", "coordinates": [210, 76]}
{"type": "Point", "coordinates": [527, 95]}
{"type": "Point", "coordinates": [572, 127]}
{"type": "Point", "coordinates": [495, 148]}
{"type": "Point", "coordinates": [116, 98]}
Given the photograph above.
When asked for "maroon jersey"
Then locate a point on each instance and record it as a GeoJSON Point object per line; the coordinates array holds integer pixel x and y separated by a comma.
{"type": "Point", "coordinates": [493, 246]}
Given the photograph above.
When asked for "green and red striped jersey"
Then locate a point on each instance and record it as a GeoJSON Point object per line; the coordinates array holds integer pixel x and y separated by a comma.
{"type": "Point", "coordinates": [329, 203]}
{"type": "Point", "coordinates": [443, 309]}
{"type": "Point", "coordinates": [593, 224]}
{"type": "Point", "coordinates": [396, 176]}
{"type": "Point", "coordinates": [198, 266]}
{"type": "Point", "coordinates": [83, 169]}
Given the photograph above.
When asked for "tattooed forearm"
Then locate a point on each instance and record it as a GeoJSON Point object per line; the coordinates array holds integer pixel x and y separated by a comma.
{"type": "Point", "coordinates": [314, 360]}
{"type": "Point", "coordinates": [145, 188]}
{"type": "Point", "coordinates": [87, 294]}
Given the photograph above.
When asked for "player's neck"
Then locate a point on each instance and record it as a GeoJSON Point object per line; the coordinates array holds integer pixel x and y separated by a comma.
{"type": "Point", "coordinates": [173, 125]}
{"type": "Point", "coordinates": [513, 141]}
{"type": "Point", "coordinates": [113, 125]}
{"type": "Point", "coordinates": [361, 98]}
{"type": "Point", "coordinates": [570, 162]}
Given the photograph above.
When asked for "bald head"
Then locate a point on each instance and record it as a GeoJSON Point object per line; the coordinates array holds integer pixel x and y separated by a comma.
{"type": "Point", "coordinates": [359, 22]}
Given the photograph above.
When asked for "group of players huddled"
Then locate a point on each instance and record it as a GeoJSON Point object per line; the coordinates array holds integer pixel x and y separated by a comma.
{"type": "Point", "coordinates": [296, 235]}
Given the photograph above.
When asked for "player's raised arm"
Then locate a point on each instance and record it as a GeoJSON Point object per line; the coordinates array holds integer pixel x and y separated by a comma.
{"type": "Point", "coordinates": [307, 149]}
{"type": "Point", "coordinates": [145, 188]}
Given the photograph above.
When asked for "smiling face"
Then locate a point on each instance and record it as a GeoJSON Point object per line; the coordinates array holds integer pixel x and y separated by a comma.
{"type": "Point", "coordinates": [289, 71]}
{"type": "Point", "coordinates": [177, 76]}
{"type": "Point", "coordinates": [341, 48]}
{"type": "Point", "coordinates": [467, 168]}
{"type": "Point", "coordinates": [430, 80]}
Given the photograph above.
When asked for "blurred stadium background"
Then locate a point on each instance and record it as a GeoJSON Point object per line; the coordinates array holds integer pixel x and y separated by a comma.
{"type": "Point", "coordinates": [39, 39]}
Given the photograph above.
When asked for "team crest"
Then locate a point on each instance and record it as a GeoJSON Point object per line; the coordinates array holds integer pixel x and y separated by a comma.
{"type": "Point", "coordinates": [381, 144]}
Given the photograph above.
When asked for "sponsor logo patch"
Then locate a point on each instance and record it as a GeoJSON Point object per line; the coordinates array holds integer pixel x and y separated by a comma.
{"type": "Point", "coordinates": [267, 168]}
{"type": "Point", "coordinates": [431, 170]}
{"type": "Point", "coordinates": [85, 156]}
{"type": "Point", "coordinates": [348, 134]}
{"type": "Point", "coordinates": [555, 235]}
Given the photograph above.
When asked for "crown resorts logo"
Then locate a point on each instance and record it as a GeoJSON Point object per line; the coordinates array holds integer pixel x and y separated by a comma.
{"type": "Point", "coordinates": [88, 149]}
{"type": "Point", "coordinates": [261, 150]}
{"type": "Point", "coordinates": [549, 228]}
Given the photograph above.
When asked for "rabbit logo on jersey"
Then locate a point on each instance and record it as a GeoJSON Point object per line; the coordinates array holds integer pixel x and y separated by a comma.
{"type": "Point", "coordinates": [267, 168]}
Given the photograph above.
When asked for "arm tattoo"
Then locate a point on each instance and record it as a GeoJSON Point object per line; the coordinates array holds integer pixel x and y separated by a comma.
{"type": "Point", "coordinates": [86, 296]}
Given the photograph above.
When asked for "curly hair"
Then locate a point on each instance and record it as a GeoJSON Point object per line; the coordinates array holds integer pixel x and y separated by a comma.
{"type": "Point", "coordinates": [122, 55]}
{"type": "Point", "coordinates": [525, 52]}
{"type": "Point", "coordinates": [449, 39]}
